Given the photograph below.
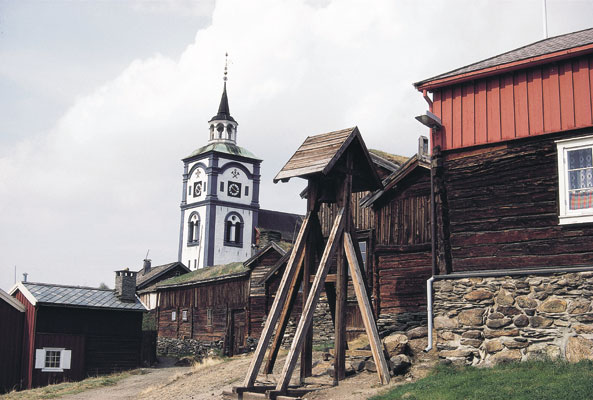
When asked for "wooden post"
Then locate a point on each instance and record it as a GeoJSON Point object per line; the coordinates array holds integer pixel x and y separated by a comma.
{"type": "Point", "coordinates": [344, 197]}
{"type": "Point", "coordinates": [366, 311]}
{"type": "Point", "coordinates": [307, 314]}
{"type": "Point", "coordinates": [283, 321]}
{"type": "Point", "coordinates": [294, 261]}
{"type": "Point", "coordinates": [308, 265]}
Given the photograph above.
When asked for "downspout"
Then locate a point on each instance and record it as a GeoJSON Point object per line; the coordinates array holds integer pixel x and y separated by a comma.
{"type": "Point", "coordinates": [429, 311]}
{"type": "Point", "coordinates": [433, 235]}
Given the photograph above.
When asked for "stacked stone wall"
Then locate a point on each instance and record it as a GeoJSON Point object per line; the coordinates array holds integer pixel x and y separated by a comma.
{"type": "Point", "coordinates": [496, 319]}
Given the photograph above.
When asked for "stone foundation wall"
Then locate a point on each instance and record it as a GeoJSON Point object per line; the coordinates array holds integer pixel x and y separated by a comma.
{"type": "Point", "coordinates": [495, 319]}
{"type": "Point", "coordinates": [391, 323]}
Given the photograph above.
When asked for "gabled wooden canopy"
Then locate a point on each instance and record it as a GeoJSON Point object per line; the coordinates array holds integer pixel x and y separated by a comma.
{"type": "Point", "coordinates": [323, 157]}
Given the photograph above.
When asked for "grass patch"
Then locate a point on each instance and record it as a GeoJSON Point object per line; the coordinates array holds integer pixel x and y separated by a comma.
{"type": "Point", "coordinates": [62, 389]}
{"type": "Point", "coordinates": [541, 380]}
{"type": "Point", "coordinates": [324, 346]}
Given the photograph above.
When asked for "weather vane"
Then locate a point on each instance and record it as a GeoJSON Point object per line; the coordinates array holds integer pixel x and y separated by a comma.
{"type": "Point", "coordinates": [226, 66]}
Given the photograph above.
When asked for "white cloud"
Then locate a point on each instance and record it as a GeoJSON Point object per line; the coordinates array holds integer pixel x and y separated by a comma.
{"type": "Point", "coordinates": [104, 184]}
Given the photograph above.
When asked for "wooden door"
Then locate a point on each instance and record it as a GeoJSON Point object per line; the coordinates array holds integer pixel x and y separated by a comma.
{"type": "Point", "coordinates": [238, 326]}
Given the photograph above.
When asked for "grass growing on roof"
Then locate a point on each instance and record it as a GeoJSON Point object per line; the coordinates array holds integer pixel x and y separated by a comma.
{"type": "Point", "coordinates": [534, 380]}
{"type": "Point", "coordinates": [394, 158]}
{"type": "Point", "coordinates": [206, 273]}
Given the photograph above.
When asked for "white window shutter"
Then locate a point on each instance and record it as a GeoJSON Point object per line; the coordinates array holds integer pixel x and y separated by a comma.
{"type": "Point", "coordinates": [65, 359]}
{"type": "Point", "coordinates": [39, 358]}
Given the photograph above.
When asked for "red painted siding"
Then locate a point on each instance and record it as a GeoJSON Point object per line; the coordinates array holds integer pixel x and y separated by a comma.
{"type": "Point", "coordinates": [543, 99]}
{"type": "Point", "coordinates": [27, 363]}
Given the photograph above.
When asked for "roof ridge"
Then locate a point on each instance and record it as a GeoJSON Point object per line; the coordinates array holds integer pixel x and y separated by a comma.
{"type": "Point", "coordinates": [451, 73]}
{"type": "Point", "coordinates": [66, 286]}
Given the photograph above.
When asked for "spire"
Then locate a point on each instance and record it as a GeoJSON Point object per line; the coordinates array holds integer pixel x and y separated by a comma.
{"type": "Point", "coordinates": [223, 109]}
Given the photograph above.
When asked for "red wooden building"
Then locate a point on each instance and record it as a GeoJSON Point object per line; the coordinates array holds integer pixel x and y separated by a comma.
{"type": "Point", "coordinates": [12, 315]}
{"type": "Point", "coordinates": [514, 175]}
{"type": "Point", "coordinates": [71, 332]}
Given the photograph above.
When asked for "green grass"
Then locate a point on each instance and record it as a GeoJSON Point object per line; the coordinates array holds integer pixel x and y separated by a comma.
{"type": "Point", "coordinates": [323, 346]}
{"type": "Point", "coordinates": [62, 389]}
{"type": "Point", "coordinates": [202, 274]}
{"type": "Point", "coordinates": [536, 380]}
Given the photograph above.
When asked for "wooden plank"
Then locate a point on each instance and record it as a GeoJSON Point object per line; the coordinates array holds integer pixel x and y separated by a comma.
{"type": "Point", "coordinates": [279, 300]}
{"type": "Point", "coordinates": [582, 97]}
{"type": "Point", "coordinates": [447, 106]}
{"type": "Point", "coordinates": [566, 95]}
{"type": "Point", "coordinates": [344, 197]}
{"type": "Point", "coordinates": [481, 112]}
{"type": "Point", "coordinates": [366, 311]}
{"type": "Point", "coordinates": [468, 132]}
{"type": "Point", "coordinates": [551, 98]}
{"type": "Point", "coordinates": [521, 104]}
{"type": "Point", "coordinates": [307, 314]}
{"type": "Point", "coordinates": [535, 102]}
{"type": "Point", "coordinates": [506, 111]}
{"type": "Point", "coordinates": [285, 317]}
{"type": "Point", "coordinates": [456, 122]}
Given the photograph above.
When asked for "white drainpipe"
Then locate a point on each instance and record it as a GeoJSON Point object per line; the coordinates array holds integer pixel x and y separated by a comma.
{"type": "Point", "coordinates": [429, 311]}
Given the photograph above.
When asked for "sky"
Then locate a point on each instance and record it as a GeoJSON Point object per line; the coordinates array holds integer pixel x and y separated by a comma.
{"type": "Point", "coordinates": [100, 101]}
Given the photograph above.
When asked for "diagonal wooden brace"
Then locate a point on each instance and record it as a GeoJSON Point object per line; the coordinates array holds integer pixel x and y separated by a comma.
{"type": "Point", "coordinates": [295, 260]}
{"type": "Point", "coordinates": [366, 311]}
{"type": "Point", "coordinates": [307, 314]}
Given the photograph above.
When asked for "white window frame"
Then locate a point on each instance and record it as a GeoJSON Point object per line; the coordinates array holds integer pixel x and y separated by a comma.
{"type": "Point", "coordinates": [184, 315]}
{"type": "Point", "coordinates": [566, 215]}
{"type": "Point", "coordinates": [65, 359]}
{"type": "Point", "coordinates": [173, 315]}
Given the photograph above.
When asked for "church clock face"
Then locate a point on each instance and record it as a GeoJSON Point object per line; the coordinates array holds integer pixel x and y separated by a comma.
{"type": "Point", "coordinates": [234, 189]}
{"type": "Point", "coordinates": [197, 189]}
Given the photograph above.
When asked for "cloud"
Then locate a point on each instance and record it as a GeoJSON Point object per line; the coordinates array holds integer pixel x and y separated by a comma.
{"type": "Point", "coordinates": [92, 194]}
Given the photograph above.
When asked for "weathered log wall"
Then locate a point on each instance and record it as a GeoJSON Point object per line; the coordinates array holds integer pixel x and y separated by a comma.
{"type": "Point", "coordinates": [502, 209]}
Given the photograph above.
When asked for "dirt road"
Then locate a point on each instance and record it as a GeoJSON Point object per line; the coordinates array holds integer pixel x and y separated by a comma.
{"type": "Point", "coordinates": [209, 380]}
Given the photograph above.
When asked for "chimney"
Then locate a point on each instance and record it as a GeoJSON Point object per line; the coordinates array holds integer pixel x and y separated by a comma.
{"type": "Point", "coordinates": [146, 268]}
{"type": "Point", "coordinates": [25, 277]}
{"type": "Point", "coordinates": [423, 153]}
{"type": "Point", "coordinates": [125, 285]}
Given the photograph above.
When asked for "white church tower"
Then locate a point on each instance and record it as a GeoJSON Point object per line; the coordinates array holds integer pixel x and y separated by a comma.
{"type": "Point", "coordinates": [220, 200]}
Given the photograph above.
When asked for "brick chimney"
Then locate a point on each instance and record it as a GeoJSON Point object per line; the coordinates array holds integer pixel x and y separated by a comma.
{"type": "Point", "coordinates": [125, 285]}
{"type": "Point", "coordinates": [146, 267]}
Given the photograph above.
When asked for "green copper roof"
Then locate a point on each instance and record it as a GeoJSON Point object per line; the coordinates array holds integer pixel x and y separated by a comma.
{"type": "Point", "coordinates": [226, 148]}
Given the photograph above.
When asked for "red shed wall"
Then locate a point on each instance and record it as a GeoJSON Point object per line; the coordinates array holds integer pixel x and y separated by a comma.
{"type": "Point", "coordinates": [544, 99]}
{"type": "Point", "coordinates": [11, 332]}
{"type": "Point", "coordinates": [28, 340]}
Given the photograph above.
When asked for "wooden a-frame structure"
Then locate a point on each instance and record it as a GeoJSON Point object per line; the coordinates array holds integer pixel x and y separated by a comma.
{"type": "Point", "coordinates": [335, 164]}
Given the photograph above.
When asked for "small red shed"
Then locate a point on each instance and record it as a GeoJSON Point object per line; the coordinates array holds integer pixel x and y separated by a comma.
{"type": "Point", "coordinates": [71, 332]}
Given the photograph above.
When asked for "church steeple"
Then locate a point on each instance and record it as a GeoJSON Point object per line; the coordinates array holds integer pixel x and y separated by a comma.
{"type": "Point", "coordinates": [223, 127]}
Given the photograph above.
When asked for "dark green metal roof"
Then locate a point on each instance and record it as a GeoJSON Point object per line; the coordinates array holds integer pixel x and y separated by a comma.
{"type": "Point", "coordinates": [226, 148]}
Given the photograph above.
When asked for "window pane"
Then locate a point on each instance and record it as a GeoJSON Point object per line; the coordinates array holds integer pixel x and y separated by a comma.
{"type": "Point", "coordinates": [52, 359]}
{"type": "Point", "coordinates": [580, 158]}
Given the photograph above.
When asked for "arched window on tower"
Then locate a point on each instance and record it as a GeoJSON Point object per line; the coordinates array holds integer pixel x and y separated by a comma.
{"type": "Point", "coordinates": [220, 129]}
{"type": "Point", "coordinates": [229, 131]}
{"type": "Point", "coordinates": [212, 132]}
{"type": "Point", "coordinates": [233, 230]}
{"type": "Point", "coordinates": [193, 229]}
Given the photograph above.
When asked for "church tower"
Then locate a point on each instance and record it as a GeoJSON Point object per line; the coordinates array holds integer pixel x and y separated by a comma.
{"type": "Point", "coordinates": [220, 200]}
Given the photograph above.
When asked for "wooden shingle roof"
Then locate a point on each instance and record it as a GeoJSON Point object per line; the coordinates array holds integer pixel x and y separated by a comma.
{"type": "Point", "coordinates": [319, 156]}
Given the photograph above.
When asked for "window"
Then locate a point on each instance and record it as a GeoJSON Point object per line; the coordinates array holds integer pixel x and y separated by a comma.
{"type": "Point", "coordinates": [575, 176]}
{"type": "Point", "coordinates": [222, 186]}
{"type": "Point", "coordinates": [246, 190]}
{"type": "Point", "coordinates": [193, 229]}
{"type": "Point", "coordinates": [363, 252]}
{"type": "Point", "coordinates": [51, 359]}
{"type": "Point", "coordinates": [209, 317]}
{"type": "Point", "coordinates": [184, 315]}
{"type": "Point", "coordinates": [173, 315]}
{"type": "Point", "coordinates": [233, 230]}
